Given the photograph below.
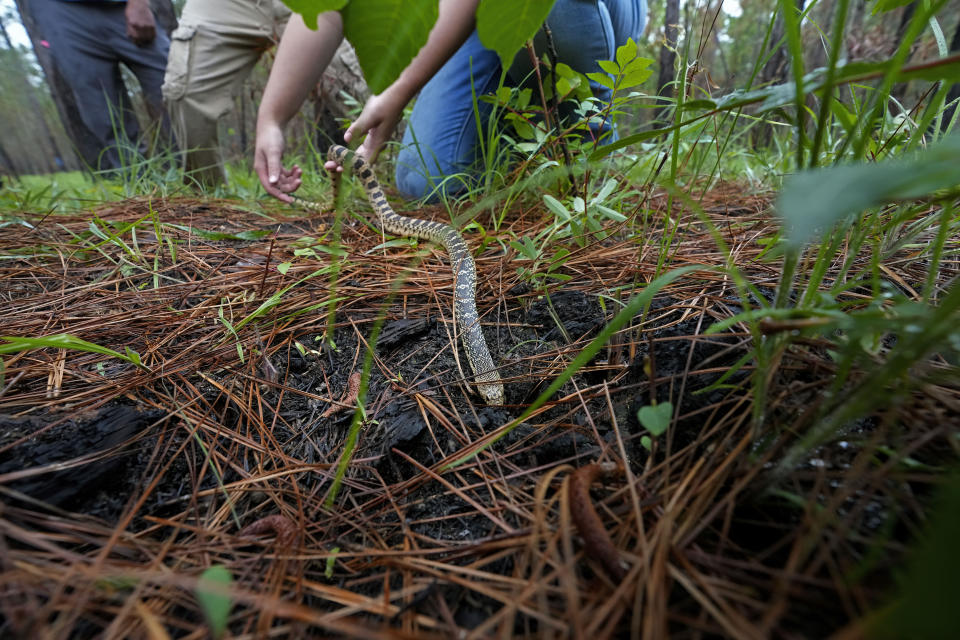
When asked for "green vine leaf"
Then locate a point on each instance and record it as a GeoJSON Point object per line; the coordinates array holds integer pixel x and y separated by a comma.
{"type": "Point", "coordinates": [387, 34]}
{"type": "Point", "coordinates": [504, 25]}
{"type": "Point", "coordinates": [310, 9]}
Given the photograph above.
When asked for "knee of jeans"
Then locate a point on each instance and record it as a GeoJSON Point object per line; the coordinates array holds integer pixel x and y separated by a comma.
{"type": "Point", "coordinates": [411, 182]}
{"type": "Point", "coordinates": [414, 184]}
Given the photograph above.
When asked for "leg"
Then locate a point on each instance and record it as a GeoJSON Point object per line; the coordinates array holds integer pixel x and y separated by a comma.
{"type": "Point", "coordinates": [214, 49]}
{"type": "Point", "coordinates": [148, 64]}
{"type": "Point", "coordinates": [442, 136]}
{"type": "Point", "coordinates": [79, 35]}
{"type": "Point", "coordinates": [628, 18]}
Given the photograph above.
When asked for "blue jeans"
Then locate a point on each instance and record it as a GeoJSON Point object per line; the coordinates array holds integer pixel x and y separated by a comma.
{"type": "Point", "coordinates": [439, 148]}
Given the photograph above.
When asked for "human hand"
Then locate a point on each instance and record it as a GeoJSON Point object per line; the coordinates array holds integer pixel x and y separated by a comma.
{"type": "Point", "coordinates": [277, 180]}
{"type": "Point", "coordinates": [377, 121]}
{"type": "Point", "coordinates": [141, 25]}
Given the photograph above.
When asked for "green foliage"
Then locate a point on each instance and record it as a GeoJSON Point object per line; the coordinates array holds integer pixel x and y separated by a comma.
{"type": "Point", "coordinates": [387, 34]}
{"type": "Point", "coordinates": [16, 344]}
{"type": "Point", "coordinates": [213, 594]}
{"type": "Point", "coordinates": [330, 563]}
{"type": "Point", "coordinates": [248, 235]}
{"type": "Point", "coordinates": [814, 200]}
{"type": "Point", "coordinates": [889, 5]}
{"type": "Point", "coordinates": [507, 36]}
{"type": "Point", "coordinates": [774, 98]}
{"type": "Point", "coordinates": [310, 9]}
{"type": "Point", "coordinates": [559, 151]}
{"type": "Point", "coordinates": [655, 418]}
{"type": "Point", "coordinates": [629, 70]}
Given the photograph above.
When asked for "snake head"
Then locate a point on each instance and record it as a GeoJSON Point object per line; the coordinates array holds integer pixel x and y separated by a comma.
{"type": "Point", "coordinates": [491, 393]}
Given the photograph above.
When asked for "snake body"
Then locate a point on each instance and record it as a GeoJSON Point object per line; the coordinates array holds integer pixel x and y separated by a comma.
{"type": "Point", "coordinates": [487, 379]}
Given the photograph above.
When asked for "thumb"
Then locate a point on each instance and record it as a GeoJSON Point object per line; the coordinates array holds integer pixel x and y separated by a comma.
{"type": "Point", "coordinates": [356, 128]}
{"type": "Point", "coordinates": [372, 144]}
{"type": "Point", "coordinates": [274, 165]}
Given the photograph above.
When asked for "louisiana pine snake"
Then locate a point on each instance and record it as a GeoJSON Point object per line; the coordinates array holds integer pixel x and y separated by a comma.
{"type": "Point", "coordinates": [488, 382]}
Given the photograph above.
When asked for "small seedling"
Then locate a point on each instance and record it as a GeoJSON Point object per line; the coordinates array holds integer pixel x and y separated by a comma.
{"type": "Point", "coordinates": [213, 595]}
{"type": "Point", "coordinates": [655, 418]}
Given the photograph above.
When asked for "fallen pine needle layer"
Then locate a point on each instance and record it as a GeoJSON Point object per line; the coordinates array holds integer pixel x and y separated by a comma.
{"type": "Point", "coordinates": [234, 461]}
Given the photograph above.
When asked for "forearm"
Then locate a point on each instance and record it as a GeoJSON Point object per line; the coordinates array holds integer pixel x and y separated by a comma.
{"type": "Point", "coordinates": [302, 56]}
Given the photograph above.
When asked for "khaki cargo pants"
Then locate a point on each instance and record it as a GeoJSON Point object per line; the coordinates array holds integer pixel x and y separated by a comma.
{"type": "Point", "coordinates": [212, 52]}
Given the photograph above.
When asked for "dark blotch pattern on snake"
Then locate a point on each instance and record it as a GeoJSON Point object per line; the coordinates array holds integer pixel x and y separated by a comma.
{"type": "Point", "coordinates": [488, 381]}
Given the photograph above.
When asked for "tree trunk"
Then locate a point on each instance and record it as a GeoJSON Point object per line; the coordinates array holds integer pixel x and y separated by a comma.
{"type": "Point", "coordinates": [60, 91]}
{"type": "Point", "coordinates": [776, 71]}
{"type": "Point", "coordinates": [899, 90]}
{"type": "Point", "coordinates": [668, 55]}
{"type": "Point", "coordinates": [6, 164]}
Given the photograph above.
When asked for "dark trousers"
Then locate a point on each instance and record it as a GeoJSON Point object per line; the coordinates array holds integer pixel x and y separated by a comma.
{"type": "Point", "coordinates": [89, 42]}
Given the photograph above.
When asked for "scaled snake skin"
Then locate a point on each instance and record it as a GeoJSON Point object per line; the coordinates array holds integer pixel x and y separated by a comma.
{"type": "Point", "coordinates": [487, 379]}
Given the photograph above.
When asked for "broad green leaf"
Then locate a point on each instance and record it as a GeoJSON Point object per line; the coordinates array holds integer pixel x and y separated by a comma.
{"type": "Point", "coordinates": [504, 25]}
{"type": "Point", "coordinates": [635, 77]}
{"type": "Point", "coordinates": [605, 191]}
{"type": "Point", "coordinates": [310, 9]}
{"type": "Point", "coordinates": [565, 71]}
{"type": "Point", "coordinates": [609, 66]}
{"type": "Point", "coordinates": [556, 207]}
{"type": "Point", "coordinates": [813, 200]}
{"type": "Point", "coordinates": [523, 250]}
{"type": "Point", "coordinates": [214, 598]}
{"type": "Point", "coordinates": [601, 79]}
{"type": "Point", "coordinates": [926, 603]}
{"type": "Point", "coordinates": [610, 213]}
{"type": "Point", "coordinates": [559, 257]}
{"type": "Point", "coordinates": [387, 34]}
{"type": "Point", "coordinates": [626, 53]}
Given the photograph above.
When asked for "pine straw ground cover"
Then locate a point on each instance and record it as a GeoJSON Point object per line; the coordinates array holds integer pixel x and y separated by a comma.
{"type": "Point", "coordinates": [223, 448]}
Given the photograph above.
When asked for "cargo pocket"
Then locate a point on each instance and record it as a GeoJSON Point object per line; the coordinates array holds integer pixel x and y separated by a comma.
{"type": "Point", "coordinates": [178, 62]}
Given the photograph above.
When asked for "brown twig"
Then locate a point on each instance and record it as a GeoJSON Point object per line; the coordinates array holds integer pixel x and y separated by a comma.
{"type": "Point", "coordinates": [349, 396]}
{"type": "Point", "coordinates": [596, 541]}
